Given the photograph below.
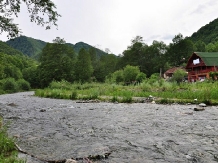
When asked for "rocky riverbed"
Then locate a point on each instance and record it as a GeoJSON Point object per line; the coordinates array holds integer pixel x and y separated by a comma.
{"type": "Point", "coordinates": [52, 129]}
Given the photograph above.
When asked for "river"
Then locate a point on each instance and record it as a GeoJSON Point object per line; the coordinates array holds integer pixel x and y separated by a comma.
{"type": "Point", "coordinates": [54, 129]}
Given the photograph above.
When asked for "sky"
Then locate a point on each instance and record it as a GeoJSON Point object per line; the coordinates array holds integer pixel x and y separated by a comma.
{"type": "Point", "coordinates": [113, 24]}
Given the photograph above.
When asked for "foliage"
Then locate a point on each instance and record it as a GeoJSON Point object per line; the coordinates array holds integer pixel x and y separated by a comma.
{"type": "Point", "coordinates": [182, 93]}
{"type": "Point", "coordinates": [104, 66]}
{"type": "Point", "coordinates": [140, 77]}
{"type": "Point", "coordinates": [10, 85]}
{"type": "Point", "coordinates": [31, 74]}
{"type": "Point", "coordinates": [23, 85]}
{"type": "Point", "coordinates": [130, 73]}
{"type": "Point", "coordinates": [207, 34]}
{"type": "Point", "coordinates": [8, 153]}
{"type": "Point", "coordinates": [117, 76]}
{"type": "Point", "coordinates": [28, 46]}
{"type": "Point", "coordinates": [180, 50]}
{"type": "Point", "coordinates": [36, 9]}
{"type": "Point", "coordinates": [57, 63]}
{"type": "Point", "coordinates": [83, 68]}
{"type": "Point", "coordinates": [179, 75]}
{"type": "Point", "coordinates": [6, 49]}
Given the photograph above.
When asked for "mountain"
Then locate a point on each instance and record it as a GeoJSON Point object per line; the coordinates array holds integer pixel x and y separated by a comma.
{"type": "Point", "coordinates": [207, 34]}
{"type": "Point", "coordinates": [81, 45]}
{"type": "Point", "coordinates": [33, 47]}
{"type": "Point", "coordinates": [6, 49]}
{"type": "Point", "coordinates": [28, 46]}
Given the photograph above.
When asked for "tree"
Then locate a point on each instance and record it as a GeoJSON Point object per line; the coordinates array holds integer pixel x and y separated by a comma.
{"type": "Point", "coordinates": [130, 73]}
{"type": "Point", "coordinates": [180, 50]}
{"type": "Point", "coordinates": [200, 46]}
{"type": "Point", "coordinates": [83, 68]}
{"type": "Point", "coordinates": [57, 63]}
{"type": "Point", "coordinates": [59, 40]}
{"type": "Point", "coordinates": [105, 66]}
{"type": "Point", "coordinates": [178, 75]}
{"type": "Point", "coordinates": [36, 8]}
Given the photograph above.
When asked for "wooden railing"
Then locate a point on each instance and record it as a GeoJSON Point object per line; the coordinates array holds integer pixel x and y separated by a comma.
{"type": "Point", "coordinates": [198, 72]}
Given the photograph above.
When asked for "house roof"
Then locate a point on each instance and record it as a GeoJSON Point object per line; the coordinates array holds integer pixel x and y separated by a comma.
{"type": "Point", "coordinates": [209, 58]}
{"type": "Point", "coordinates": [172, 70]}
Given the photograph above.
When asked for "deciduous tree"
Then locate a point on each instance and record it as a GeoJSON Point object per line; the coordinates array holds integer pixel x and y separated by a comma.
{"type": "Point", "coordinates": [37, 10]}
{"type": "Point", "coordinates": [83, 69]}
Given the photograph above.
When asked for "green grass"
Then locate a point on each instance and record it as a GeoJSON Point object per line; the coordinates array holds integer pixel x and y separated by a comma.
{"type": "Point", "coordinates": [162, 90]}
{"type": "Point", "coordinates": [8, 152]}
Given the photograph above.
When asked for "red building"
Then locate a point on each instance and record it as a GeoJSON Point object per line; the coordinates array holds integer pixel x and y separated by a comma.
{"type": "Point", "coordinates": [200, 64]}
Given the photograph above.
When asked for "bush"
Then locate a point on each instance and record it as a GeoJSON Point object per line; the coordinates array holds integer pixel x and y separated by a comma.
{"type": "Point", "coordinates": [9, 85]}
{"type": "Point", "coordinates": [140, 77]}
{"type": "Point", "coordinates": [130, 73]}
{"type": "Point", "coordinates": [23, 85]}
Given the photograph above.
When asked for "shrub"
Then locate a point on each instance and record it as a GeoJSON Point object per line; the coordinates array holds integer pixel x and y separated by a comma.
{"type": "Point", "coordinates": [23, 85]}
{"type": "Point", "coordinates": [9, 85]}
{"type": "Point", "coordinates": [140, 77]}
{"type": "Point", "coordinates": [130, 73]}
{"type": "Point", "coordinates": [73, 95]}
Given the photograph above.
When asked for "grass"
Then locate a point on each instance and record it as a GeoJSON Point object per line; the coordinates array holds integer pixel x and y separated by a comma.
{"type": "Point", "coordinates": [165, 92]}
{"type": "Point", "coordinates": [8, 152]}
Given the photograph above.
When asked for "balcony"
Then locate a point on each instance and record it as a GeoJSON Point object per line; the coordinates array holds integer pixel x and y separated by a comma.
{"type": "Point", "coordinates": [199, 72]}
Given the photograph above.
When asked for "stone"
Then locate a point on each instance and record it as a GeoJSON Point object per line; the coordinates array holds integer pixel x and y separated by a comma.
{"type": "Point", "coordinates": [199, 109]}
{"type": "Point", "coordinates": [202, 105]}
{"type": "Point", "coordinates": [71, 161]}
{"type": "Point", "coordinates": [153, 102]}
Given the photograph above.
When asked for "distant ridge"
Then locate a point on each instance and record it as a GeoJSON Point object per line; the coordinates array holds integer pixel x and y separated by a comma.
{"type": "Point", "coordinates": [6, 49]}
{"type": "Point", "coordinates": [33, 47]}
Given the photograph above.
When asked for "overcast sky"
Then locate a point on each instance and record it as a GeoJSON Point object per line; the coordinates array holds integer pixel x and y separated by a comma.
{"type": "Point", "coordinates": [114, 23]}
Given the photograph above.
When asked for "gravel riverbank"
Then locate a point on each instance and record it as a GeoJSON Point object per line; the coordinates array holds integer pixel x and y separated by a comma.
{"type": "Point", "coordinates": [53, 129]}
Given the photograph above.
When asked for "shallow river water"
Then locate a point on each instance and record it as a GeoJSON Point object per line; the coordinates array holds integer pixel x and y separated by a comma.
{"type": "Point", "coordinates": [54, 129]}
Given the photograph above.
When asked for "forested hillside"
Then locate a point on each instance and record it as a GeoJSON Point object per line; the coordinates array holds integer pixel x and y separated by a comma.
{"type": "Point", "coordinates": [33, 47]}
{"type": "Point", "coordinates": [28, 46]}
{"type": "Point", "coordinates": [4, 48]}
{"type": "Point", "coordinates": [207, 34]}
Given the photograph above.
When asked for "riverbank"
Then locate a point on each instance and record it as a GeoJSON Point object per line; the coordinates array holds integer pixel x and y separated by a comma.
{"type": "Point", "coordinates": [56, 129]}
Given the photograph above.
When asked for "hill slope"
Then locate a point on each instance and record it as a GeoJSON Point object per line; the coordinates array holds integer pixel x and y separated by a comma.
{"type": "Point", "coordinates": [207, 34]}
{"type": "Point", "coordinates": [29, 46]}
{"type": "Point", "coordinates": [6, 49]}
{"type": "Point", "coordinates": [33, 47]}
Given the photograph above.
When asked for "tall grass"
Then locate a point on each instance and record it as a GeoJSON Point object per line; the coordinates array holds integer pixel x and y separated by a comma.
{"type": "Point", "coordinates": [203, 91]}
{"type": "Point", "coordinates": [8, 152]}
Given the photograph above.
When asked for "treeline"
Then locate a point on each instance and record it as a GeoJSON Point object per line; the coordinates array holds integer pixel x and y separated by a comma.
{"type": "Point", "coordinates": [58, 61]}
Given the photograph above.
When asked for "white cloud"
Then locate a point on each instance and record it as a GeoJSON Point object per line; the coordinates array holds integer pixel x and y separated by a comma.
{"type": "Point", "coordinates": [112, 24]}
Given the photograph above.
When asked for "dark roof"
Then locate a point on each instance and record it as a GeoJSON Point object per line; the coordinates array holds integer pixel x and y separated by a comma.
{"type": "Point", "coordinates": [209, 58]}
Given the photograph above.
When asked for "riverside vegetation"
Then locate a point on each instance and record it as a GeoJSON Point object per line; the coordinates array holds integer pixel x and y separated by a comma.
{"type": "Point", "coordinates": [163, 91]}
{"type": "Point", "coordinates": [8, 152]}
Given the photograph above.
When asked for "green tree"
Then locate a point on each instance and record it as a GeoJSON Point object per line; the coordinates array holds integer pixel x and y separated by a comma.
{"type": "Point", "coordinates": [200, 46]}
{"type": "Point", "coordinates": [130, 73]}
{"type": "Point", "coordinates": [31, 75]}
{"type": "Point", "coordinates": [83, 69]}
{"type": "Point", "coordinates": [105, 66]}
{"type": "Point", "coordinates": [180, 50]}
{"type": "Point", "coordinates": [178, 75]}
{"type": "Point", "coordinates": [154, 58]}
{"type": "Point", "coordinates": [117, 76]}
{"type": "Point", "coordinates": [57, 63]}
{"type": "Point", "coordinates": [36, 9]}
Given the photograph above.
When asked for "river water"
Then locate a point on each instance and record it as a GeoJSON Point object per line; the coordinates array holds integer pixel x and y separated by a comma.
{"type": "Point", "coordinates": [54, 129]}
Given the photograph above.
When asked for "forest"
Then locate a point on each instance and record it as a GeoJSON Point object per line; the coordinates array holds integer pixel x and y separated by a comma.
{"type": "Point", "coordinates": [61, 61]}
